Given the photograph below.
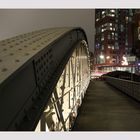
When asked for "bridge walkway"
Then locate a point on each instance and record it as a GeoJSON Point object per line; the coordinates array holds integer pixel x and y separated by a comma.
{"type": "Point", "coordinates": [105, 108]}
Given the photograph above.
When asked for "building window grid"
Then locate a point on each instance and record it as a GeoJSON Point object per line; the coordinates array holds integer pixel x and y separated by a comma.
{"type": "Point", "coordinates": [115, 30]}
{"type": "Point", "coordinates": [104, 13]}
{"type": "Point", "coordinates": [107, 26]}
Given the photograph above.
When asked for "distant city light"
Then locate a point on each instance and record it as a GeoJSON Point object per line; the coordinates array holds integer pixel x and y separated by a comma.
{"type": "Point", "coordinates": [138, 64]}
{"type": "Point", "coordinates": [124, 62]}
{"type": "Point", "coordinates": [103, 12]}
{"type": "Point", "coordinates": [107, 57]}
{"type": "Point", "coordinates": [112, 10]}
{"type": "Point", "coordinates": [102, 56]}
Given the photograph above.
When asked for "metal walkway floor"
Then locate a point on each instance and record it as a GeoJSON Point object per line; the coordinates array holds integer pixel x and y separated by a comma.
{"type": "Point", "coordinates": [107, 109]}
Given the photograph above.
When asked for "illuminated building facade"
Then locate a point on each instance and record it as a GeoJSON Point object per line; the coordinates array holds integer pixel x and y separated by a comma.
{"type": "Point", "coordinates": [113, 39]}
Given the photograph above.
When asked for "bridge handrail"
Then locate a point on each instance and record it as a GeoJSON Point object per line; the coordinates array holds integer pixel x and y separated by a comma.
{"type": "Point", "coordinates": [129, 87]}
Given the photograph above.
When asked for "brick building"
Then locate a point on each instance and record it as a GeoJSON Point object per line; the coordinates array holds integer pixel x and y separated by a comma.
{"type": "Point", "coordinates": [113, 39]}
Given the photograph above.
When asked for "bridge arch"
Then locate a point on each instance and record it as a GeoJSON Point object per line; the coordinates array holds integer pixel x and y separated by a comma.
{"type": "Point", "coordinates": [40, 70]}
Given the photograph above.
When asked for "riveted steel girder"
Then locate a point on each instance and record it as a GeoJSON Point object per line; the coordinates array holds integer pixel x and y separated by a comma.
{"type": "Point", "coordinates": [30, 66]}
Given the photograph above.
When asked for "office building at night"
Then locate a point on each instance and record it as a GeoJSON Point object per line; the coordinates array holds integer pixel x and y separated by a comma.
{"type": "Point", "coordinates": [113, 39]}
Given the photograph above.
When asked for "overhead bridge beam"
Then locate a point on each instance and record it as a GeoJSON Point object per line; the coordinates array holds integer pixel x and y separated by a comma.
{"type": "Point", "coordinates": [30, 67]}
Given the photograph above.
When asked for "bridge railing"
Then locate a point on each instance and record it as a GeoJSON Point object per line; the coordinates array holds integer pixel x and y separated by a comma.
{"type": "Point", "coordinates": [43, 71]}
{"type": "Point", "coordinates": [129, 87]}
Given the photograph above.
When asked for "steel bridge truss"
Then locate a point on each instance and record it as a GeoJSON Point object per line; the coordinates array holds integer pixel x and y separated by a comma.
{"type": "Point", "coordinates": [62, 108]}
{"type": "Point", "coordinates": [43, 79]}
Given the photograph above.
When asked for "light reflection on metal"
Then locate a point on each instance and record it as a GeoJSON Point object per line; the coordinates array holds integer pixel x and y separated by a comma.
{"type": "Point", "coordinates": [66, 99]}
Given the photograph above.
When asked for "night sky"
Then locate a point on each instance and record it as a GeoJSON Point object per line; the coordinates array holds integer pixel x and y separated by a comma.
{"type": "Point", "coordinates": [14, 22]}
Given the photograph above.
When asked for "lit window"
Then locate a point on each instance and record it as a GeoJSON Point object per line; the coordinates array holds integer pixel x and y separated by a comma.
{"type": "Point", "coordinates": [103, 12]}
{"type": "Point", "coordinates": [113, 11]}
{"type": "Point", "coordinates": [109, 46]}
{"type": "Point", "coordinates": [102, 30]}
{"type": "Point", "coordinates": [110, 24]}
{"type": "Point", "coordinates": [97, 19]}
{"type": "Point", "coordinates": [110, 28]}
{"type": "Point", "coordinates": [102, 38]}
{"type": "Point", "coordinates": [108, 57]}
{"type": "Point", "coordinates": [112, 15]}
{"type": "Point", "coordinates": [126, 18]}
{"type": "Point", "coordinates": [102, 56]}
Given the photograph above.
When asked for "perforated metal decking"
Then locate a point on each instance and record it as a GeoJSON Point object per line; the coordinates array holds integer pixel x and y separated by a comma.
{"type": "Point", "coordinates": [30, 65]}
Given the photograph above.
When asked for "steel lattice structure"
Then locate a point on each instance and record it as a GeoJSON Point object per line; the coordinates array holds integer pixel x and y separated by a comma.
{"type": "Point", "coordinates": [41, 73]}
